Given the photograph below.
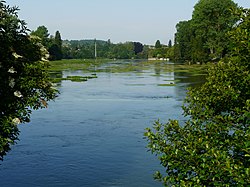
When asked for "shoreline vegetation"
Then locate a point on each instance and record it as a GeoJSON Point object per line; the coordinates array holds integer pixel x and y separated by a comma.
{"type": "Point", "coordinates": [93, 66]}
{"type": "Point", "coordinates": [85, 64]}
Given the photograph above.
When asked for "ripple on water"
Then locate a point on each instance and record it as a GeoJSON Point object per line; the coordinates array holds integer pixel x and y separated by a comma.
{"type": "Point", "coordinates": [93, 134]}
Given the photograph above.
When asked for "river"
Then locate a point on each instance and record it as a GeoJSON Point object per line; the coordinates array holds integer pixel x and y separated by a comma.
{"type": "Point", "coordinates": [92, 135]}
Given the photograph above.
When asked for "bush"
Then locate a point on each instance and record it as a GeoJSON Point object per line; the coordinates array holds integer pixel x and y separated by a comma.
{"type": "Point", "coordinates": [24, 81]}
{"type": "Point", "coordinates": [212, 148]}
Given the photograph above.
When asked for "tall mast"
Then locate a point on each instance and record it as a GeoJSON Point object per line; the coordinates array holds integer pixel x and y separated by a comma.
{"type": "Point", "coordinates": [95, 50]}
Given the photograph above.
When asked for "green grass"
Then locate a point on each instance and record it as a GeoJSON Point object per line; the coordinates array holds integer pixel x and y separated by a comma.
{"type": "Point", "coordinates": [176, 80]}
{"type": "Point", "coordinates": [73, 78]}
{"type": "Point", "coordinates": [108, 65]}
{"type": "Point", "coordinates": [75, 64]}
{"type": "Point", "coordinates": [85, 64]}
{"type": "Point", "coordinates": [166, 84]}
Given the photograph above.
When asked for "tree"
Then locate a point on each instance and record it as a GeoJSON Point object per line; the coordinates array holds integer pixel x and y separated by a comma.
{"type": "Point", "coordinates": [55, 52]}
{"type": "Point", "coordinates": [123, 50]}
{"type": "Point", "coordinates": [203, 38]}
{"type": "Point", "coordinates": [52, 44]}
{"type": "Point", "coordinates": [183, 39]}
{"type": "Point", "coordinates": [212, 148]}
{"type": "Point", "coordinates": [158, 44]}
{"type": "Point", "coordinates": [24, 84]}
{"type": "Point", "coordinates": [43, 33]}
{"type": "Point", "coordinates": [170, 43]}
{"type": "Point", "coordinates": [138, 47]}
{"type": "Point", "coordinates": [58, 39]}
{"type": "Point", "coordinates": [170, 53]}
{"type": "Point", "coordinates": [212, 19]}
{"type": "Point", "coordinates": [55, 49]}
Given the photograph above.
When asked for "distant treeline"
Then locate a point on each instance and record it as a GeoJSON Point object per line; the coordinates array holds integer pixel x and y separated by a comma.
{"type": "Point", "coordinates": [85, 49]}
{"type": "Point", "coordinates": [202, 39]}
{"type": "Point", "coordinates": [89, 49]}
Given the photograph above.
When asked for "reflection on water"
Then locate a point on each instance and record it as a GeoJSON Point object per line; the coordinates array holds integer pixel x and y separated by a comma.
{"type": "Point", "coordinates": [93, 134]}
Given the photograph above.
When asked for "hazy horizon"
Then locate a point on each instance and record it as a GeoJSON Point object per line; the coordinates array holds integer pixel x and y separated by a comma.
{"type": "Point", "coordinates": [143, 21]}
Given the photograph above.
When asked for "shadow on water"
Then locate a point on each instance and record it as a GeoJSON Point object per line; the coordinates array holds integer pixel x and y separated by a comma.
{"type": "Point", "coordinates": [186, 80]}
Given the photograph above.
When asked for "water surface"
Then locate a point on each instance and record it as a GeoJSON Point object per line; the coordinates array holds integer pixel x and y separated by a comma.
{"type": "Point", "coordinates": [92, 135]}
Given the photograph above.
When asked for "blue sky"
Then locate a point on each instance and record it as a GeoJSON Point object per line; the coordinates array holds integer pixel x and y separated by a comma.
{"type": "Point", "coordinates": [118, 20]}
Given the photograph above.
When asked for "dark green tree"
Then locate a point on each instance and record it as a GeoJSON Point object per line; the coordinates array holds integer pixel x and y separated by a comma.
{"type": "Point", "coordinates": [203, 38]}
{"type": "Point", "coordinates": [170, 43]}
{"type": "Point", "coordinates": [212, 148]}
{"type": "Point", "coordinates": [212, 19]}
{"type": "Point", "coordinates": [55, 49]}
{"type": "Point", "coordinates": [183, 38]}
{"type": "Point", "coordinates": [138, 47]}
{"type": "Point", "coordinates": [24, 84]}
{"type": "Point", "coordinates": [58, 39]}
{"type": "Point", "coordinates": [158, 44]}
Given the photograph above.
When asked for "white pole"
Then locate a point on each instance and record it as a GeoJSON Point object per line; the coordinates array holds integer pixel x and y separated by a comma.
{"type": "Point", "coordinates": [95, 50]}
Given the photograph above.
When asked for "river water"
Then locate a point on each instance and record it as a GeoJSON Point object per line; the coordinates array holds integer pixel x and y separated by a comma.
{"type": "Point", "coordinates": [92, 135]}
